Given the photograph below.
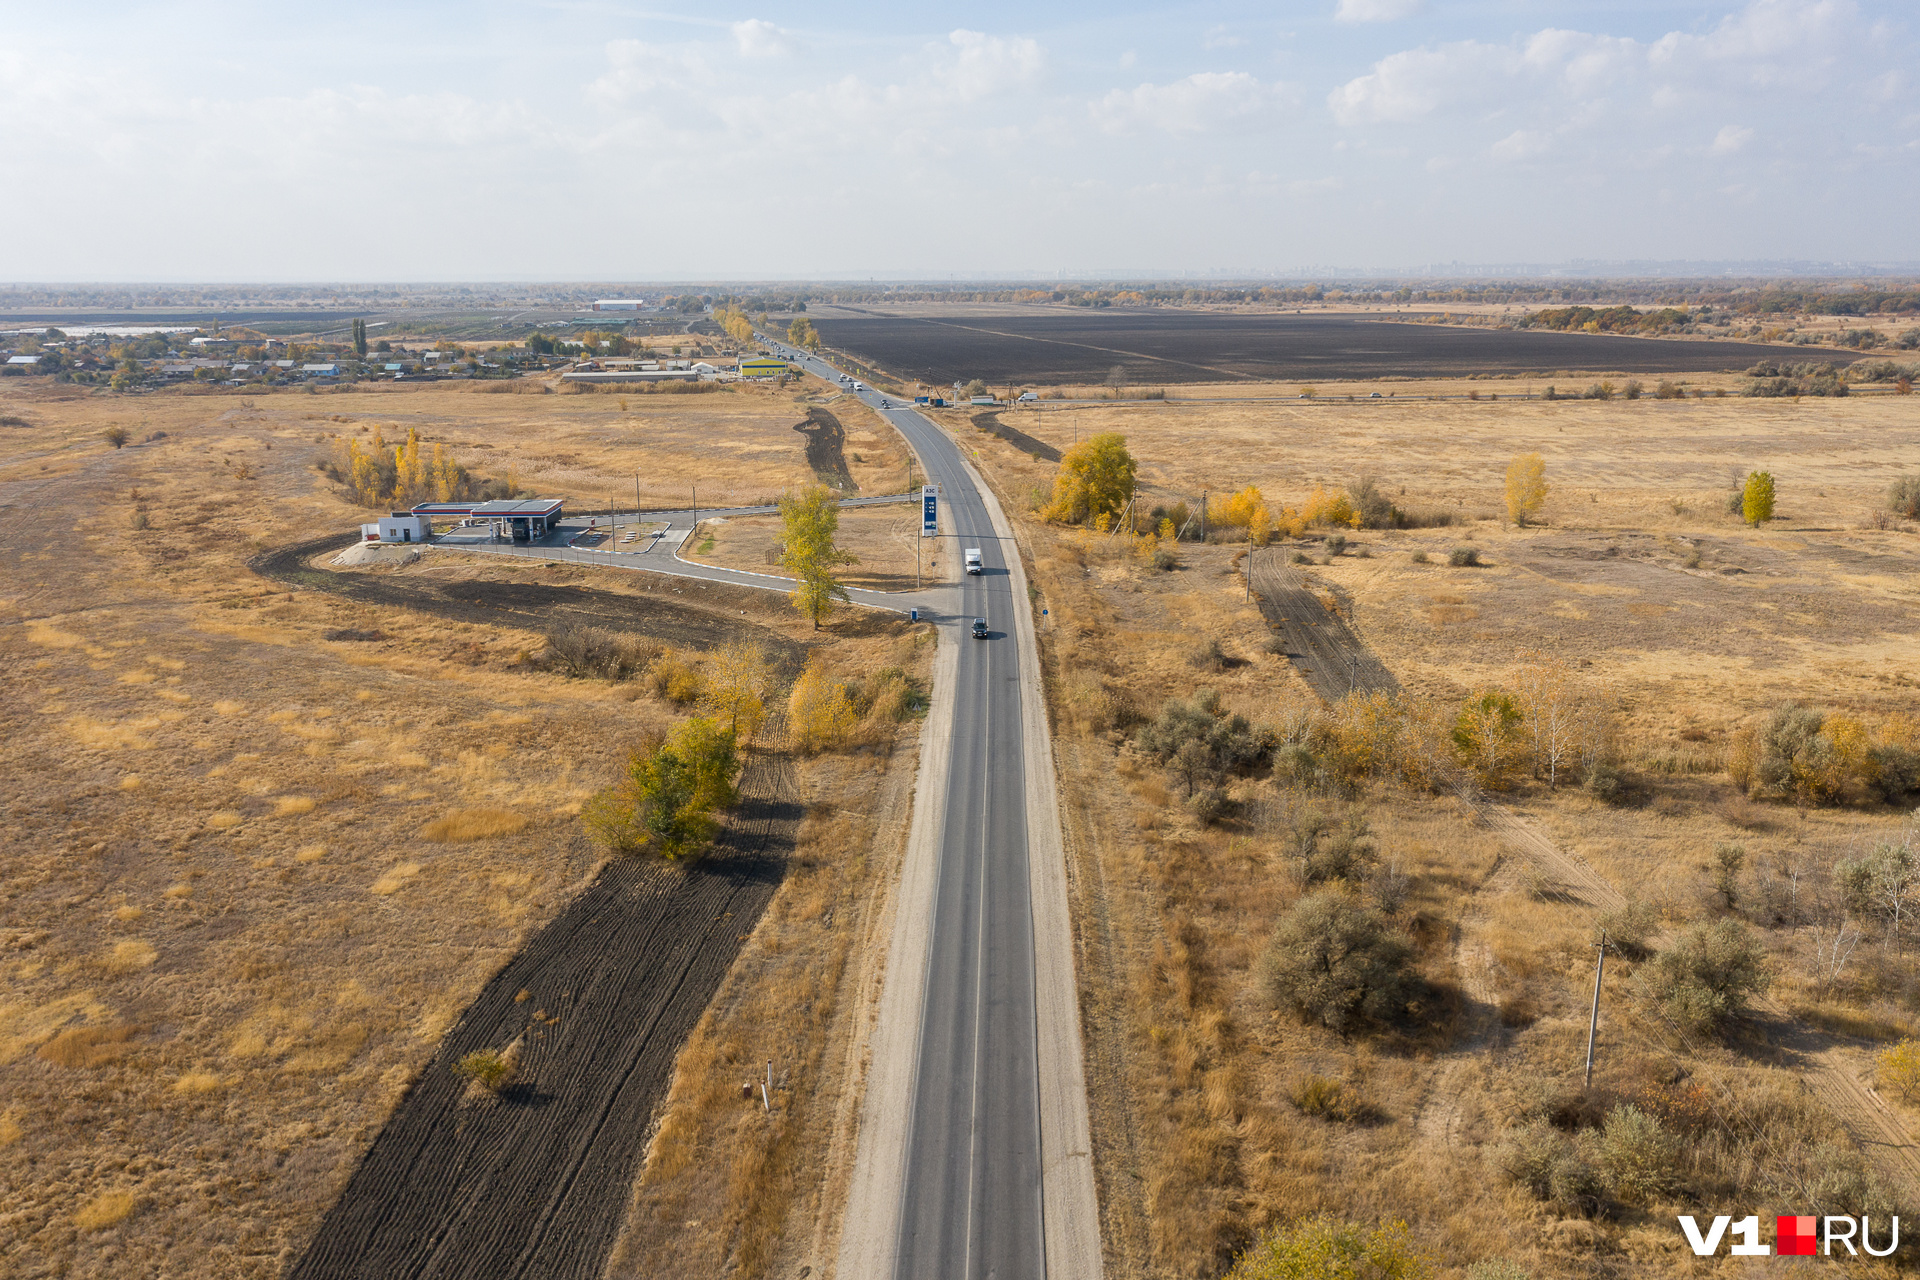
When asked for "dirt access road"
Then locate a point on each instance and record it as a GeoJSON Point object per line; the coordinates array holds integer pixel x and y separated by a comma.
{"type": "Point", "coordinates": [536, 1184]}
{"type": "Point", "coordinates": [530, 606]}
{"type": "Point", "coordinates": [1325, 649]}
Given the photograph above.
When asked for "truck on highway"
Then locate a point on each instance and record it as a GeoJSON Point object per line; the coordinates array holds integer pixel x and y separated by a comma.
{"type": "Point", "coordinates": [973, 559]}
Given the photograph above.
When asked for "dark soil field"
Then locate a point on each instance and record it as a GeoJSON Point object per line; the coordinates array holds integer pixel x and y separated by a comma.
{"type": "Point", "coordinates": [535, 1182]}
{"type": "Point", "coordinates": [1156, 347]}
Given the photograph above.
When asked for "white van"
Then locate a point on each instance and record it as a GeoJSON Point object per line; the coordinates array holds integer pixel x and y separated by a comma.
{"type": "Point", "coordinates": [973, 559]}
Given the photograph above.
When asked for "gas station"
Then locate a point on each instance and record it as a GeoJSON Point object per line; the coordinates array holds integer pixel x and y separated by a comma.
{"type": "Point", "coordinates": [512, 520]}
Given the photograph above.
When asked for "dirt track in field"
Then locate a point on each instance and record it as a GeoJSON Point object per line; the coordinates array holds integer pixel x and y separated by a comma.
{"type": "Point", "coordinates": [531, 606]}
{"type": "Point", "coordinates": [990, 423]}
{"type": "Point", "coordinates": [1318, 641]}
{"type": "Point", "coordinates": [535, 1185]}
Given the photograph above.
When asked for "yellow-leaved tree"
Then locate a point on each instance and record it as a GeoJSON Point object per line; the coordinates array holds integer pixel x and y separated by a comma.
{"type": "Point", "coordinates": [1756, 498]}
{"type": "Point", "coordinates": [820, 712]}
{"type": "Point", "coordinates": [1096, 478]}
{"type": "Point", "coordinates": [1526, 487]}
{"type": "Point", "coordinates": [736, 689]}
{"type": "Point", "coordinates": [809, 521]}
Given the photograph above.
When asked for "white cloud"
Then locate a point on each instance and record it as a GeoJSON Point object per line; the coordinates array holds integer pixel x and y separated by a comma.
{"type": "Point", "coordinates": [1730, 139]}
{"type": "Point", "coordinates": [1201, 102]}
{"type": "Point", "coordinates": [638, 68]}
{"type": "Point", "coordinates": [1578, 75]}
{"type": "Point", "coordinates": [1522, 144]}
{"type": "Point", "coordinates": [1218, 37]}
{"type": "Point", "coordinates": [977, 64]}
{"type": "Point", "coordinates": [1376, 10]}
{"type": "Point", "coordinates": [758, 39]}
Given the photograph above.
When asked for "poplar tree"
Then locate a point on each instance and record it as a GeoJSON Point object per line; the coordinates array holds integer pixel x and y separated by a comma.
{"type": "Point", "coordinates": [1526, 487]}
{"type": "Point", "coordinates": [1756, 499]}
{"type": "Point", "coordinates": [809, 520]}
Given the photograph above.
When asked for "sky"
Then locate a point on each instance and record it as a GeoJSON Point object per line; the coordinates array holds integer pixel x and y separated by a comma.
{"type": "Point", "coordinates": [601, 141]}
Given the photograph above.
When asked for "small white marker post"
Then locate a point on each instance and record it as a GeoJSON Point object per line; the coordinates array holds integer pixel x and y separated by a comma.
{"type": "Point", "coordinates": [766, 1098]}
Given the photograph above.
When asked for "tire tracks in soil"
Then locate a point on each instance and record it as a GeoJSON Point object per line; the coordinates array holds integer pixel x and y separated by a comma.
{"type": "Point", "coordinates": [1826, 1065]}
{"type": "Point", "coordinates": [536, 1185]}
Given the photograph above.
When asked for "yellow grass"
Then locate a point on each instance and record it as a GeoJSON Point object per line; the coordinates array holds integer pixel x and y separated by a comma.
{"type": "Point", "coordinates": [129, 956]}
{"type": "Point", "coordinates": [87, 1046]}
{"type": "Point", "coordinates": [198, 1083]}
{"type": "Point", "coordinates": [105, 1210]}
{"type": "Point", "coordinates": [9, 1129]}
{"type": "Point", "coordinates": [310, 853]}
{"type": "Point", "coordinates": [127, 915]}
{"type": "Point", "coordinates": [474, 824]}
{"type": "Point", "coordinates": [292, 806]}
{"type": "Point", "coordinates": [224, 819]}
{"type": "Point", "coordinates": [395, 876]}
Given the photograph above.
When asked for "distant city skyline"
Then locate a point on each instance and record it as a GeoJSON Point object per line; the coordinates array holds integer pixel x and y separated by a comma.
{"type": "Point", "coordinates": [220, 143]}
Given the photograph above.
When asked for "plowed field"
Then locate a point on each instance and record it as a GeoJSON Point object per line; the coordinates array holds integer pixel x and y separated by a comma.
{"type": "Point", "coordinates": [536, 1183]}
{"type": "Point", "coordinates": [1155, 347]}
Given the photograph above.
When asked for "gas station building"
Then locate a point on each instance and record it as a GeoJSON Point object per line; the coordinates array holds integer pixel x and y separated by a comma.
{"type": "Point", "coordinates": [513, 520]}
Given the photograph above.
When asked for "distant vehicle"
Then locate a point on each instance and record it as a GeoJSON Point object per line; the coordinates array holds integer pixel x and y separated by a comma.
{"type": "Point", "coordinates": [973, 559]}
{"type": "Point", "coordinates": [983, 400]}
{"type": "Point", "coordinates": [920, 399]}
{"type": "Point", "coordinates": [979, 628]}
{"type": "Point", "coordinates": [935, 402]}
{"type": "Point", "coordinates": [1024, 397]}
{"type": "Point", "coordinates": [885, 403]}
{"type": "Point", "coordinates": [1374, 396]}
{"type": "Point", "coordinates": [859, 386]}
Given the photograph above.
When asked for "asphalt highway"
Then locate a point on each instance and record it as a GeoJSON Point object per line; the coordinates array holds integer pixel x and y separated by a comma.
{"type": "Point", "coordinates": [970, 1201]}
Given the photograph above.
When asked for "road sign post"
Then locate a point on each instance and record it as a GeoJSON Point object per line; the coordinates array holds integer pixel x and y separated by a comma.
{"type": "Point", "coordinates": [929, 510]}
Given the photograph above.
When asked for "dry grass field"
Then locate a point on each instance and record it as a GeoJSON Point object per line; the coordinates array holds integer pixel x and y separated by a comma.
{"type": "Point", "coordinates": [1687, 622]}
{"type": "Point", "coordinates": [266, 843]}
{"type": "Point", "coordinates": [884, 539]}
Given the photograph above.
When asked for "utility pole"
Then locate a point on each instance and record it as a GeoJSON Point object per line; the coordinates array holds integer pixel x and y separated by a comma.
{"type": "Point", "coordinates": [1203, 515]}
{"type": "Point", "coordinates": [1593, 1024]}
{"type": "Point", "coordinates": [636, 497]}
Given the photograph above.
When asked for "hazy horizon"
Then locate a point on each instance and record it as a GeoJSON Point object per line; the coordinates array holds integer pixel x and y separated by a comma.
{"type": "Point", "coordinates": [597, 142]}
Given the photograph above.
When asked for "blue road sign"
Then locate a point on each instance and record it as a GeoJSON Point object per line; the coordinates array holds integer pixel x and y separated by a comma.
{"type": "Point", "coordinates": [929, 510]}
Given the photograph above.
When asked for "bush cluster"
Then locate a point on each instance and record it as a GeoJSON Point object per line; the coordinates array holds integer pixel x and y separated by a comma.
{"type": "Point", "coordinates": [1815, 757]}
{"type": "Point", "coordinates": [1773, 378]}
{"type": "Point", "coordinates": [1202, 743]}
{"type": "Point", "coordinates": [1337, 962]}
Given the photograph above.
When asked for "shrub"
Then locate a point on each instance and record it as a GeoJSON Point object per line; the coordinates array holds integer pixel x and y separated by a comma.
{"type": "Point", "coordinates": [1668, 391]}
{"type": "Point", "coordinates": [1908, 339]}
{"type": "Point", "coordinates": [1210, 805]}
{"type": "Point", "coordinates": [1324, 1248]}
{"type": "Point", "coordinates": [1599, 391]}
{"type": "Point", "coordinates": [490, 1069]}
{"type": "Point", "coordinates": [1203, 742]}
{"type": "Point", "coordinates": [1420, 557]}
{"type": "Point", "coordinates": [591, 652]}
{"type": "Point", "coordinates": [1336, 543]}
{"type": "Point", "coordinates": [1628, 929]}
{"type": "Point", "coordinates": [1551, 1165]}
{"type": "Point", "coordinates": [675, 679]}
{"type": "Point", "coordinates": [1323, 853]}
{"type": "Point", "coordinates": [1633, 389]}
{"type": "Point", "coordinates": [1703, 981]}
{"type": "Point", "coordinates": [1370, 505]}
{"type": "Point", "coordinates": [1328, 1099]}
{"type": "Point", "coordinates": [1165, 558]}
{"type": "Point", "coordinates": [1300, 557]}
{"type": "Point", "coordinates": [1637, 1155]}
{"type": "Point", "coordinates": [1903, 497]}
{"type": "Point", "coordinates": [1898, 1068]}
{"type": "Point", "coordinates": [820, 712]}
{"type": "Point", "coordinates": [1338, 963]}
{"type": "Point", "coordinates": [1209, 656]}
{"type": "Point", "coordinates": [1464, 556]}
{"type": "Point", "coordinates": [115, 435]}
